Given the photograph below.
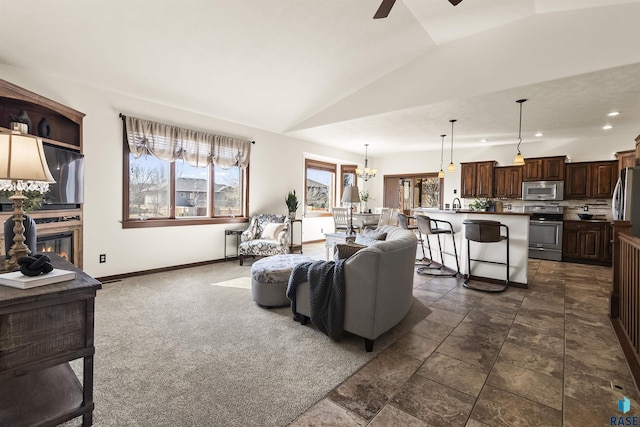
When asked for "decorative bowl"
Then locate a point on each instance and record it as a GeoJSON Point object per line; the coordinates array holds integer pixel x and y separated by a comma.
{"type": "Point", "coordinates": [585, 216]}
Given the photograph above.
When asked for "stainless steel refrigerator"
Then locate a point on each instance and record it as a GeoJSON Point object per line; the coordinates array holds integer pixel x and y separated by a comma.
{"type": "Point", "coordinates": [625, 205]}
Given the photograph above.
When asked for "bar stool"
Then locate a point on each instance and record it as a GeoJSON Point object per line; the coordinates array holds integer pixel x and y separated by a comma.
{"type": "Point", "coordinates": [403, 222]}
{"type": "Point", "coordinates": [440, 228]}
{"type": "Point", "coordinates": [485, 231]}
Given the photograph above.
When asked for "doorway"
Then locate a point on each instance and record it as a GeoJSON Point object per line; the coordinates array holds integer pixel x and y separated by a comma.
{"type": "Point", "coordinates": [407, 192]}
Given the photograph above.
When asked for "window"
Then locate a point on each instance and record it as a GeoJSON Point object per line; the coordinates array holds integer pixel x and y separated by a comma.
{"type": "Point", "coordinates": [194, 181]}
{"type": "Point", "coordinates": [192, 190]}
{"type": "Point", "coordinates": [319, 187]}
{"type": "Point", "coordinates": [149, 188]}
{"type": "Point", "coordinates": [348, 173]}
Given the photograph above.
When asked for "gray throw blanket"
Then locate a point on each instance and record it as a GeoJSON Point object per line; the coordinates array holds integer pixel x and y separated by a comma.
{"type": "Point", "coordinates": [327, 291]}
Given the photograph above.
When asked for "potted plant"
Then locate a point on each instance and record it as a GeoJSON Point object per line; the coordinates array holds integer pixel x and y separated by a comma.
{"type": "Point", "coordinates": [364, 196]}
{"type": "Point", "coordinates": [292, 204]}
{"type": "Point", "coordinates": [480, 204]}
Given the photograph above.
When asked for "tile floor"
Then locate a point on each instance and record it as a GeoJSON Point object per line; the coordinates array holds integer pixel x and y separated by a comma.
{"type": "Point", "coordinates": [546, 356]}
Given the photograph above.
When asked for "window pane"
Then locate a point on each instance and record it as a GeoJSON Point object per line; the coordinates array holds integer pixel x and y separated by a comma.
{"type": "Point", "coordinates": [192, 190]}
{"type": "Point", "coordinates": [227, 196]}
{"type": "Point", "coordinates": [319, 191]}
{"type": "Point", "coordinates": [149, 189]}
{"type": "Point", "coordinates": [348, 179]}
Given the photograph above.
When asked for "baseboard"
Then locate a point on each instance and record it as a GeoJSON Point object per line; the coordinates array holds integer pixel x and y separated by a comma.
{"type": "Point", "coordinates": [116, 277]}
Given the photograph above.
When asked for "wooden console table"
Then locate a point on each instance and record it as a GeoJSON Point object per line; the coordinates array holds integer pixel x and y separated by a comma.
{"type": "Point", "coordinates": [41, 330]}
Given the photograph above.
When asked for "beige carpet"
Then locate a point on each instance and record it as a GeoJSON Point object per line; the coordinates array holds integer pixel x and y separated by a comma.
{"type": "Point", "coordinates": [172, 350]}
{"type": "Point", "coordinates": [240, 283]}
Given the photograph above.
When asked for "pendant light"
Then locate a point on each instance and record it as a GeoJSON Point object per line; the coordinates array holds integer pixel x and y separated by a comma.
{"type": "Point", "coordinates": [452, 167]}
{"type": "Point", "coordinates": [519, 160]}
{"type": "Point", "coordinates": [441, 173]}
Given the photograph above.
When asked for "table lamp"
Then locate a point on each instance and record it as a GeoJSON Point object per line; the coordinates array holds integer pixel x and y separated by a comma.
{"type": "Point", "coordinates": [23, 166]}
{"type": "Point", "coordinates": [351, 195]}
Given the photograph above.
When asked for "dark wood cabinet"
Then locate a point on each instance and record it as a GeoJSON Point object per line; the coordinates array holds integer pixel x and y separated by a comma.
{"type": "Point", "coordinates": [41, 330]}
{"type": "Point", "coordinates": [590, 179]}
{"type": "Point", "coordinates": [544, 169]}
{"type": "Point", "coordinates": [604, 176]}
{"type": "Point", "coordinates": [607, 240]}
{"type": "Point", "coordinates": [65, 124]}
{"type": "Point", "coordinates": [484, 179]}
{"type": "Point", "coordinates": [467, 180]}
{"type": "Point", "coordinates": [476, 179]}
{"type": "Point", "coordinates": [507, 182]}
{"type": "Point", "coordinates": [587, 242]}
{"type": "Point", "coordinates": [576, 183]}
{"type": "Point", "coordinates": [65, 130]}
{"type": "Point", "coordinates": [626, 159]}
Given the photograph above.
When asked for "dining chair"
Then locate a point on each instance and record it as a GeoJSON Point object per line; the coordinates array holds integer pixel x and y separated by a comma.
{"type": "Point", "coordinates": [341, 219]}
{"type": "Point", "coordinates": [385, 217]}
{"type": "Point", "coordinates": [393, 216]}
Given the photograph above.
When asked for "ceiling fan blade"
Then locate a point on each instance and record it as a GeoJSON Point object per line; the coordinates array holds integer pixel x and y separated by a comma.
{"type": "Point", "coordinates": [454, 2]}
{"type": "Point", "coordinates": [384, 9]}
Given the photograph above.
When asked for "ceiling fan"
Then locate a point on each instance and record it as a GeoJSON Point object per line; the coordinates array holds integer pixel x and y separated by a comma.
{"type": "Point", "coordinates": [385, 8]}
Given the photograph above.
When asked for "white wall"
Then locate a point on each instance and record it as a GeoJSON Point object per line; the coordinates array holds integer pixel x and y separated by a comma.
{"type": "Point", "coordinates": [277, 164]}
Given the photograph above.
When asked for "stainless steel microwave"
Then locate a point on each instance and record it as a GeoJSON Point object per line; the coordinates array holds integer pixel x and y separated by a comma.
{"type": "Point", "coordinates": [543, 190]}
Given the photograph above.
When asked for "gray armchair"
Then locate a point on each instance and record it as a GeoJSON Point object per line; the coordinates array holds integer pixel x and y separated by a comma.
{"type": "Point", "coordinates": [267, 234]}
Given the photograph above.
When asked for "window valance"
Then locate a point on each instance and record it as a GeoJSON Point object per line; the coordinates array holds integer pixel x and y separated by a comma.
{"type": "Point", "coordinates": [171, 143]}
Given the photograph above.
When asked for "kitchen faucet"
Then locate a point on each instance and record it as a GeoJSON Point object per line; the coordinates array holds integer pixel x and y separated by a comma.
{"type": "Point", "coordinates": [456, 206]}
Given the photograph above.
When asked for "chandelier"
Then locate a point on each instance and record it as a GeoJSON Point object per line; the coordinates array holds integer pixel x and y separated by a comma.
{"type": "Point", "coordinates": [367, 172]}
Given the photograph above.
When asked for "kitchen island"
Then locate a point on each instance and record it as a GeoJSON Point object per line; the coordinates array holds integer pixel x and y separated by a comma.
{"type": "Point", "coordinates": [518, 224]}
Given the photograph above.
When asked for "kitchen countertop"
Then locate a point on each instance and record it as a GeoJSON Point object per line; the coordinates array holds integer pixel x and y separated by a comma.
{"type": "Point", "coordinates": [468, 211]}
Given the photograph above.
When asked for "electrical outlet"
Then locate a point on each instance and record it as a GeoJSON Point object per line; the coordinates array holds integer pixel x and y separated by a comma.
{"type": "Point", "coordinates": [103, 258]}
{"type": "Point", "coordinates": [455, 191]}
{"type": "Point", "coordinates": [586, 208]}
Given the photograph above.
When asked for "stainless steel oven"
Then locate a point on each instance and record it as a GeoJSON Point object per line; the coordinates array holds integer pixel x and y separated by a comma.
{"type": "Point", "coordinates": [545, 232]}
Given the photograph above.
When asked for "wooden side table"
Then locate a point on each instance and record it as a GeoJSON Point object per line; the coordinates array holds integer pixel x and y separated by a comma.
{"type": "Point", "coordinates": [41, 330]}
{"type": "Point", "coordinates": [236, 233]}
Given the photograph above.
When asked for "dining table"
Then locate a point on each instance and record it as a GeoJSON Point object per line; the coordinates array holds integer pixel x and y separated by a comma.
{"type": "Point", "coordinates": [363, 219]}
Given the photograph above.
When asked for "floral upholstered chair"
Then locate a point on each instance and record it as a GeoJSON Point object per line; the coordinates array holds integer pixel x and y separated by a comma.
{"type": "Point", "coordinates": [267, 235]}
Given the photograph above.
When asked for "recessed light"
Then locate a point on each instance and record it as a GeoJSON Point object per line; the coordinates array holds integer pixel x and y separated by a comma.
{"type": "Point", "coordinates": [539, 134]}
{"type": "Point", "coordinates": [607, 127]}
{"type": "Point", "coordinates": [484, 140]}
{"type": "Point", "coordinates": [613, 113]}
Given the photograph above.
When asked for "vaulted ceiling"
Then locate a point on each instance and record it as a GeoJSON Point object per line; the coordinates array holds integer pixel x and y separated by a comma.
{"type": "Point", "coordinates": [325, 71]}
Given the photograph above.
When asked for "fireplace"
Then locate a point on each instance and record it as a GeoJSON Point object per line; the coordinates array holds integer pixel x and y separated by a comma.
{"type": "Point", "coordinates": [59, 243]}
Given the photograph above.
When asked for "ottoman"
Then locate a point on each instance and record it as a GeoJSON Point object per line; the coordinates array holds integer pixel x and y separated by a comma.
{"type": "Point", "coordinates": [270, 276]}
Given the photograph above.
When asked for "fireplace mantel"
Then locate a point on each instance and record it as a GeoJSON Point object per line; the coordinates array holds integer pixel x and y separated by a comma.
{"type": "Point", "coordinates": [51, 222]}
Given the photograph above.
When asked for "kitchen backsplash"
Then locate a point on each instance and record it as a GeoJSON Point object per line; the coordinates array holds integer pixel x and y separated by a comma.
{"type": "Point", "coordinates": [599, 208]}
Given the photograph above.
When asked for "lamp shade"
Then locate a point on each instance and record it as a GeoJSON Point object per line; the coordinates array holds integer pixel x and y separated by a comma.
{"type": "Point", "coordinates": [518, 160]}
{"type": "Point", "coordinates": [22, 158]}
{"type": "Point", "coordinates": [351, 194]}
